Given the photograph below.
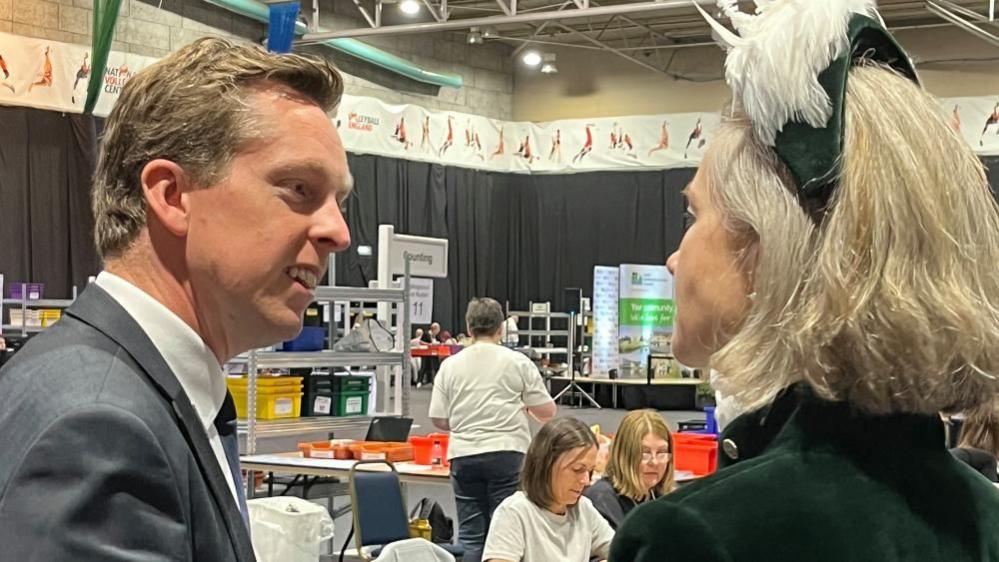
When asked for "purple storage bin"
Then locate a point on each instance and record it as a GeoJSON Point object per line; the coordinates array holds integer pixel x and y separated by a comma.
{"type": "Point", "coordinates": [17, 290]}
{"type": "Point", "coordinates": [35, 291]}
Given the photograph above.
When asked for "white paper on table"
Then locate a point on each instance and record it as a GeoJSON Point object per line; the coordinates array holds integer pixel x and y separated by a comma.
{"type": "Point", "coordinates": [341, 464]}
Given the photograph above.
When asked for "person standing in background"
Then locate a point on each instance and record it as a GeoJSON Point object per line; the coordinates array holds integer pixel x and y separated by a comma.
{"type": "Point", "coordinates": [483, 396]}
{"type": "Point", "coordinates": [415, 362]}
{"type": "Point", "coordinates": [429, 365]}
{"type": "Point", "coordinates": [511, 331]}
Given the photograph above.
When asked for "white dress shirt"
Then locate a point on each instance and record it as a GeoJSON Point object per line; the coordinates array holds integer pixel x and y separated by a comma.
{"type": "Point", "coordinates": [187, 355]}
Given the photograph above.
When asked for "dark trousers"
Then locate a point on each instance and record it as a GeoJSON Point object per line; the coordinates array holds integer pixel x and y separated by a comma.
{"type": "Point", "coordinates": [428, 370]}
{"type": "Point", "coordinates": [481, 483]}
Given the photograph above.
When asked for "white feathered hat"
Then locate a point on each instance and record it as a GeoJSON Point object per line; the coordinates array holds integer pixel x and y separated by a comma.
{"type": "Point", "coordinates": [788, 66]}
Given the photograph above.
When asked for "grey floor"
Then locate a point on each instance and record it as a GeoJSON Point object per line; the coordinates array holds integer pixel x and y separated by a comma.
{"type": "Point", "coordinates": [607, 418]}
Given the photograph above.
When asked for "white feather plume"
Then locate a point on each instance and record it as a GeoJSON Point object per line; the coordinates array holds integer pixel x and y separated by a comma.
{"type": "Point", "coordinates": [774, 62]}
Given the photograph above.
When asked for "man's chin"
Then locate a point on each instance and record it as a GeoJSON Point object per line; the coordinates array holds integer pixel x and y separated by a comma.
{"type": "Point", "coordinates": [280, 330]}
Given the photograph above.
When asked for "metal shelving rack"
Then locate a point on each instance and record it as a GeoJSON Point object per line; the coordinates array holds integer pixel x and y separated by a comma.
{"type": "Point", "coordinates": [395, 363]}
{"type": "Point", "coordinates": [24, 305]}
{"type": "Point", "coordinates": [546, 332]}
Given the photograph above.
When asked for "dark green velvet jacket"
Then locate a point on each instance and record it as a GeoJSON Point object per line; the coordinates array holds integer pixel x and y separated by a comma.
{"type": "Point", "coordinates": [811, 480]}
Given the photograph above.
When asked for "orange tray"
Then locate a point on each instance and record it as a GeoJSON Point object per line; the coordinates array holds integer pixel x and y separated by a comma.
{"type": "Point", "coordinates": [377, 450]}
{"type": "Point", "coordinates": [327, 449]}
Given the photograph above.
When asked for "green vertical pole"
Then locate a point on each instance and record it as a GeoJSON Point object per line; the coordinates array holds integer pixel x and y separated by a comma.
{"type": "Point", "coordinates": [105, 18]}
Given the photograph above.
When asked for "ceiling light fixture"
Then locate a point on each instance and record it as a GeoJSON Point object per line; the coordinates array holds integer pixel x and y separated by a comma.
{"type": "Point", "coordinates": [409, 7]}
{"type": "Point", "coordinates": [532, 58]}
{"type": "Point", "coordinates": [548, 64]}
{"type": "Point", "coordinates": [474, 36]}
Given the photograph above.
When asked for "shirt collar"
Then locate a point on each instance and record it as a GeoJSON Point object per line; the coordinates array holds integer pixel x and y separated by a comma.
{"type": "Point", "coordinates": [188, 356]}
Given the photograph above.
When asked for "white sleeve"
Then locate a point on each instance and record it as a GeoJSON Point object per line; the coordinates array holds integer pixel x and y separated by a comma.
{"type": "Point", "coordinates": [440, 399]}
{"type": "Point", "coordinates": [535, 393]}
{"type": "Point", "coordinates": [507, 536]}
{"type": "Point", "coordinates": [601, 533]}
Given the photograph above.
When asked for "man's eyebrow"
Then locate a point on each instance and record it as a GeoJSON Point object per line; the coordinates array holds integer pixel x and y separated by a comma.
{"type": "Point", "coordinates": [311, 167]}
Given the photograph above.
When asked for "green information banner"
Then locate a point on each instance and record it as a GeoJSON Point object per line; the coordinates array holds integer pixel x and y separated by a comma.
{"type": "Point", "coordinates": [645, 315]}
{"type": "Point", "coordinates": [647, 312]}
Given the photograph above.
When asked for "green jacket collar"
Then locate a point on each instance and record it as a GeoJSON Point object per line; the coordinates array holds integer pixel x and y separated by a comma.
{"type": "Point", "coordinates": [797, 419]}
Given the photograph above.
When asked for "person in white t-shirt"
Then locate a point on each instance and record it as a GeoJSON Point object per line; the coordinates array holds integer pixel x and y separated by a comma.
{"type": "Point", "coordinates": [550, 519]}
{"type": "Point", "coordinates": [483, 395]}
{"type": "Point", "coordinates": [511, 331]}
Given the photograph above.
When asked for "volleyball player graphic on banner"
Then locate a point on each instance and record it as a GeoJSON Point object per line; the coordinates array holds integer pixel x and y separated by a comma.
{"type": "Point", "coordinates": [663, 139]}
{"type": "Point", "coordinates": [990, 121]}
{"type": "Point", "coordinates": [81, 77]}
{"type": "Point", "coordinates": [45, 75]}
{"type": "Point", "coordinates": [6, 75]}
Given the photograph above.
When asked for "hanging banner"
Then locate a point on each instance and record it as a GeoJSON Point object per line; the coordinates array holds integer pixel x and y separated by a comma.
{"type": "Point", "coordinates": [367, 126]}
{"type": "Point", "coordinates": [53, 75]}
{"type": "Point", "coordinates": [645, 315]}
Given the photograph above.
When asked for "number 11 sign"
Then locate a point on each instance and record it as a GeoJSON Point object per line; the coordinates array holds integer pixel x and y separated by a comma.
{"type": "Point", "coordinates": [421, 300]}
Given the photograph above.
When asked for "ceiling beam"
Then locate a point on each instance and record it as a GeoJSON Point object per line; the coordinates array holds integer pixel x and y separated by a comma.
{"type": "Point", "coordinates": [610, 49]}
{"type": "Point", "coordinates": [560, 15]}
{"type": "Point", "coordinates": [963, 23]}
{"type": "Point", "coordinates": [539, 29]}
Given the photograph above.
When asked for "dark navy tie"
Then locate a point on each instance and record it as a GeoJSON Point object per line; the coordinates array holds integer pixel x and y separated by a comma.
{"type": "Point", "coordinates": [225, 423]}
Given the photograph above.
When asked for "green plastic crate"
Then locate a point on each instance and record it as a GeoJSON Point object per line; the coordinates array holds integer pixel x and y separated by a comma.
{"type": "Point", "coordinates": [350, 403]}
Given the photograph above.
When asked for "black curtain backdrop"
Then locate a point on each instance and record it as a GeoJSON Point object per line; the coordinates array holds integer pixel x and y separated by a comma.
{"type": "Point", "coordinates": [46, 227]}
{"type": "Point", "coordinates": [513, 237]}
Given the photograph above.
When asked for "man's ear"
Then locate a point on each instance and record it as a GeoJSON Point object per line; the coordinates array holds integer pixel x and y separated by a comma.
{"type": "Point", "coordinates": [165, 187]}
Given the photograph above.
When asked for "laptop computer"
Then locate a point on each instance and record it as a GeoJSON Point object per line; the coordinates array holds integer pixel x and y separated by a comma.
{"type": "Point", "coordinates": [389, 428]}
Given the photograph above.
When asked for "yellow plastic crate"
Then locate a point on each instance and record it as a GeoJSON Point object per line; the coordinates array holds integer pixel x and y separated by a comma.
{"type": "Point", "coordinates": [50, 316]}
{"type": "Point", "coordinates": [277, 397]}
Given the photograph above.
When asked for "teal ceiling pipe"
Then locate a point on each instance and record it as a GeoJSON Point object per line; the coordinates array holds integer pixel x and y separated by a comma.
{"type": "Point", "coordinates": [258, 11]}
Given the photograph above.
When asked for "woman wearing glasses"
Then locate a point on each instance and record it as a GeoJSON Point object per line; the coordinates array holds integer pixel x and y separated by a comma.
{"type": "Point", "coordinates": [640, 468]}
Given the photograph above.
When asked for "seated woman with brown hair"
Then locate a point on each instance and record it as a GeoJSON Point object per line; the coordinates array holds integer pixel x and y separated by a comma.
{"type": "Point", "coordinates": [640, 468]}
{"type": "Point", "coordinates": [549, 519]}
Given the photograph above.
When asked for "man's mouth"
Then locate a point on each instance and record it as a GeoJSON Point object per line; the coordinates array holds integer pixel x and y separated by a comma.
{"type": "Point", "coordinates": [304, 276]}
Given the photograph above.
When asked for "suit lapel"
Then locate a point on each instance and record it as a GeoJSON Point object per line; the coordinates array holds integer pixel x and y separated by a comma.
{"type": "Point", "coordinates": [98, 309]}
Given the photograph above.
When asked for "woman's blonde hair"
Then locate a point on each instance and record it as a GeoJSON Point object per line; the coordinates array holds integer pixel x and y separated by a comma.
{"type": "Point", "coordinates": [980, 430]}
{"type": "Point", "coordinates": [626, 454]}
{"type": "Point", "coordinates": [890, 299]}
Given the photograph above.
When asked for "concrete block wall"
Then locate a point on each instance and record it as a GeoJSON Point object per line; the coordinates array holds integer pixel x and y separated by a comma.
{"type": "Point", "coordinates": [487, 71]}
{"type": "Point", "coordinates": [155, 28]}
{"type": "Point", "coordinates": [142, 28]}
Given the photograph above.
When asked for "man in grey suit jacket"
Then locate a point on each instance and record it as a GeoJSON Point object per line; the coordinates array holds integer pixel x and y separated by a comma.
{"type": "Point", "coordinates": [217, 204]}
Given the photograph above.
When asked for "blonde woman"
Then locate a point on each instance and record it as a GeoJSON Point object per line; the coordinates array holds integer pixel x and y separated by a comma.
{"type": "Point", "coordinates": [840, 275]}
{"type": "Point", "coordinates": [640, 468]}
